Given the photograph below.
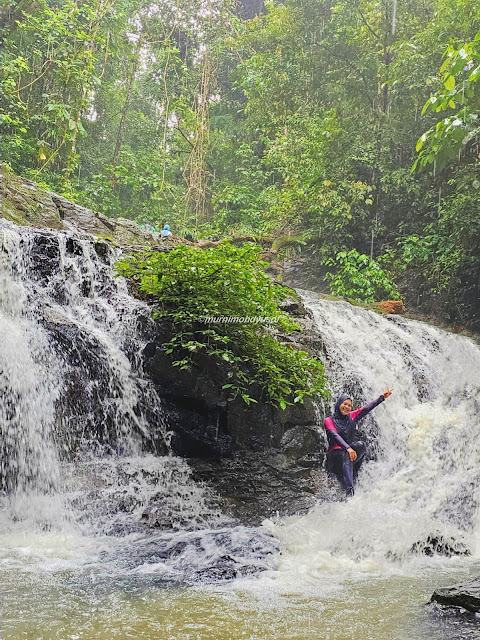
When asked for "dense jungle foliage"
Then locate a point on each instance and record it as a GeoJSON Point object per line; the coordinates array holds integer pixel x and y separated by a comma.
{"type": "Point", "coordinates": [221, 303]}
{"type": "Point", "coordinates": [348, 126]}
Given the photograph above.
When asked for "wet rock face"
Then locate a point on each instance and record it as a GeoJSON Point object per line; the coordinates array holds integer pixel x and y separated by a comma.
{"type": "Point", "coordinates": [85, 334]}
{"type": "Point", "coordinates": [206, 557]}
{"type": "Point", "coordinates": [261, 461]}
{"type": "Point", "coordinates": [466, 596]}
{"type": "Point", "coordinates": [45, 254]}
{"type": "Point", "coordinates": [255, 486]}
{"type": "Point", "coordinates": [25, 204]}
{"type": "Point", "coordinates": [439, 545]}
{"type": "Point", "coordinates": [301, 441]}
{"type": "Point", "coordinates": [87, 411]}
{"type": "Point", "coordinates": [206, 426]}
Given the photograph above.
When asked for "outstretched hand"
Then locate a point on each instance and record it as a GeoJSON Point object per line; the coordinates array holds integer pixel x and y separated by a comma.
{"type": "Point", "coordinates": [387, 393]}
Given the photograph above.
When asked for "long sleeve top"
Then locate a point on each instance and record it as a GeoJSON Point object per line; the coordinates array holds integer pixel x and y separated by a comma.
{"type": "Point", "coordinates": [340, 438]}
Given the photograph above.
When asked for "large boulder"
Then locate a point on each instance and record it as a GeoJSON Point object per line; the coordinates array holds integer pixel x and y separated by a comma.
{"type": "Point", "coordinates": [301, 441]}
{"type": "Point", "coordinates": [206, 425]}
{"type": "Point", "coordinates": [265, 484]}
{"type": "Point", "coordinates": [466, 596]}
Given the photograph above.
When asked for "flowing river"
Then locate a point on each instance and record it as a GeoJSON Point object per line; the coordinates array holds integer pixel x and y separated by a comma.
{"type": "Point", "coordinates": [74, 562]}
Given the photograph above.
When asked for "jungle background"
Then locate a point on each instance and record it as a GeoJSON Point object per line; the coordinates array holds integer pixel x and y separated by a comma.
{"type": "Point", "coordinates": [345, 134]}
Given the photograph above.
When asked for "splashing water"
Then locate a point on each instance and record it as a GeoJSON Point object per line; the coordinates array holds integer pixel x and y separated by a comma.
{"type": "Point", "coordinates": [417, 501]}
{"type": "Point", "coordinates": [79, 296]}
{"type": "Point", "coordinates": [78, 487]}
{"type": "Point", "coordinates": [71, 379]}
{"type": "Point", "coordinates": [29, 460]}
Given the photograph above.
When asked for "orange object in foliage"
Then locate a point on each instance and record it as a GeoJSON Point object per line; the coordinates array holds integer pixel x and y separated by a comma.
{"type": "Point", "coordinates": [391, 306]}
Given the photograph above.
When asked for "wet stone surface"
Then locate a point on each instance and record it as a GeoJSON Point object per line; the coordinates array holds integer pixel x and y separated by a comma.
{"type": "Point", "coordinates": [256, 486]}
{"type": "Point", "coordinates": [465, 596]}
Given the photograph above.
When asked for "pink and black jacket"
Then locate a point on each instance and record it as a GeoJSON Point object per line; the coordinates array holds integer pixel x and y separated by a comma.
{"type": "Point", "coordinates": [341, 429]}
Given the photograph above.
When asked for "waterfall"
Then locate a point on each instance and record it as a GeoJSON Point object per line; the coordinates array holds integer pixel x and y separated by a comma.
{"type": "Point", "coordinates": [418, 495]}
{"type": "Point", "coordinates": [71, 381]}
{"type": "Point", "coordinates": [30, 381]}
{"type": "Point", "coordinates": [95, 509]}
{"type": "Point", "coordinates": [84, 438]}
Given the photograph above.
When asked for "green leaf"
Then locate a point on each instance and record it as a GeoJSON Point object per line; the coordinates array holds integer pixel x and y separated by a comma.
{"type": "Point", "coordinates": [421, 142]}
{"type": "Point", "coordinates": [449, 83]}
{"type": "Point", "coordinates": [255, 358]}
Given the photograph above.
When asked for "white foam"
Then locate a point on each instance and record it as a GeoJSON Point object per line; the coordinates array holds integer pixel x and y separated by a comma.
{"type": "Point", "coordinates": [425, 482]}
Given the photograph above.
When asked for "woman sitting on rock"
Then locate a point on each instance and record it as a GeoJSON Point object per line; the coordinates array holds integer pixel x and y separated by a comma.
{"type": "Point", "coordinates": [345, 452]}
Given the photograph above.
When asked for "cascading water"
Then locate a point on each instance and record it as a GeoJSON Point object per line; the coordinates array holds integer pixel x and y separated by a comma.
{"type": "Point", "coordinates": [414, 521]}
{"type": "Point", "coordinates": [28, 393]}
{"type": "Point", "coordinates": [34, 374]}
{"type": "Point", "coordinates": [78, 419]}
{"type": "Point", "coordinates": [422, 491]}
{"type": "Point", "coordinates": [77, 300]}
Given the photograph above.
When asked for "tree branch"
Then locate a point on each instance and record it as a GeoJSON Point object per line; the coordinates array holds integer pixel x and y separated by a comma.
{"type": "Point", "coordinates": [364, 20]}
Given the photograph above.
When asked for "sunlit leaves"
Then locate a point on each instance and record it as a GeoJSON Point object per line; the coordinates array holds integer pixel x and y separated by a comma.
{"type": "Point", "coordinates": [450, 136]}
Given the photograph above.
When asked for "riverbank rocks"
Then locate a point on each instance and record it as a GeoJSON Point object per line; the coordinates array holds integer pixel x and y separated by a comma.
{"type": "Point", "coordinates": [466, 596]}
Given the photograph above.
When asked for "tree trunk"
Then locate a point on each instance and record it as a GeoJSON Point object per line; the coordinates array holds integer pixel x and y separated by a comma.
{"type": "Point", "coordinates": [197, 172]}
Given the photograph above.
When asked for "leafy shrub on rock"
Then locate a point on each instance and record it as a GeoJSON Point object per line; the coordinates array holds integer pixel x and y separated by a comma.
{"type": "Point", "coordinates": [222, 303]}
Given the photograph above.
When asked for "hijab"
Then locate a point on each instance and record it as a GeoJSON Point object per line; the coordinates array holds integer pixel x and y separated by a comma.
{"type": "Point", "coordinates": [344, 424]}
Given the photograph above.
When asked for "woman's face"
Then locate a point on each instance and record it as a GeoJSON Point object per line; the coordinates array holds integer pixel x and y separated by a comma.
{"type": "Point", "coordinates": [346, 407]}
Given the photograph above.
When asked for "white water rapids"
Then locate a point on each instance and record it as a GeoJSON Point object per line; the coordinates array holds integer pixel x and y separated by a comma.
{"type": "Point", "coordinates": [74, 566]}
{"type": "Point", "coordinates": [422, 490]}
{"type": "Point", "coordinates": [425, 481]}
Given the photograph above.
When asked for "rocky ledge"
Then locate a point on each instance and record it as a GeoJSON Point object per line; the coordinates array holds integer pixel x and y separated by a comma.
{"type": "Point", "coordinates": [464, 596]}
{"type": "Point", "coordinates": [256, 486]}
{"type": "Point", "coordinates": [27, 205]}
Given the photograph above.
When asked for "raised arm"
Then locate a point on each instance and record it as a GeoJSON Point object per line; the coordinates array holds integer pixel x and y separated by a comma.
{"type": "Point", "coordinates": [358, 414]}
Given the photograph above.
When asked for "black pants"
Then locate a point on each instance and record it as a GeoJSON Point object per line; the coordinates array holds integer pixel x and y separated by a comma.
{"type": "Point", "coordinates": [339, 463]}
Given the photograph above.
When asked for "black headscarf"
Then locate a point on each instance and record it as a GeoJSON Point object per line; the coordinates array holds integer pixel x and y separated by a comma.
{"type": "Point", "coordinates": [344, 424]}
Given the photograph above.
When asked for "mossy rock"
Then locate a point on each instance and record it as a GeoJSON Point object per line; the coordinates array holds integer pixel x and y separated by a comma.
{"type": "Point", "coordinates": [25, 204]}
